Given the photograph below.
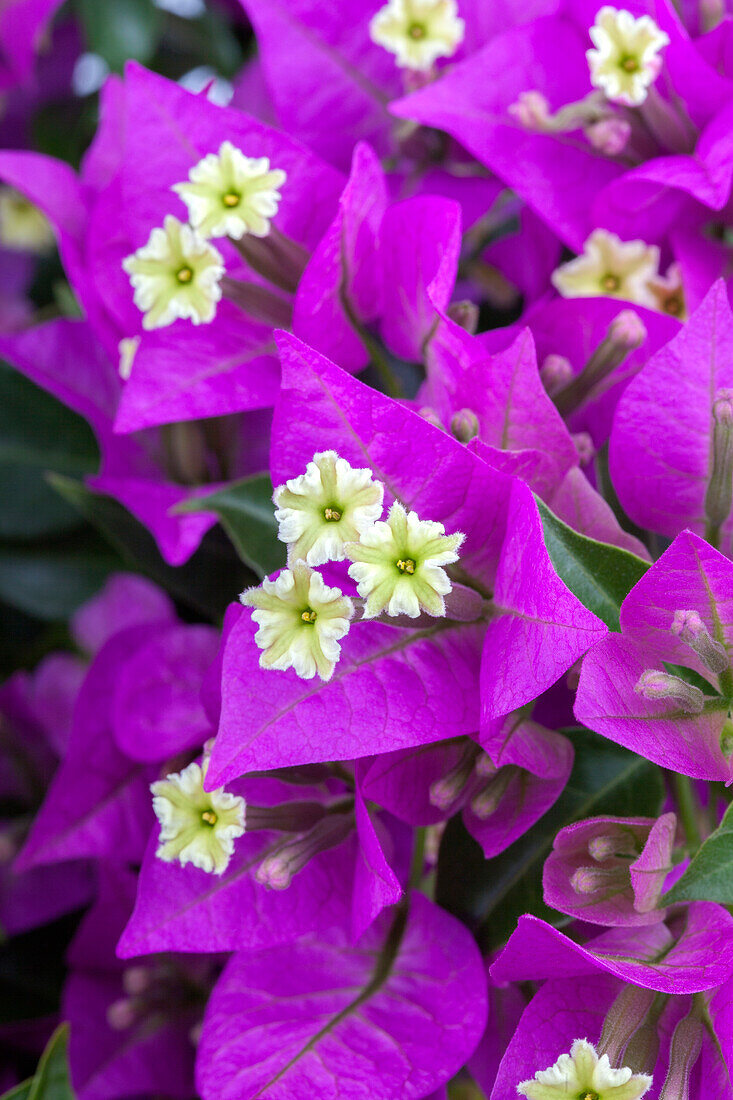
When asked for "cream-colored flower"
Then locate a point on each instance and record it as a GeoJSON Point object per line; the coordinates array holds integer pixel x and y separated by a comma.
{"type": "Point", "coordinates": [176, 274]}
{"type": "Point", "coordinates": [625, 61]}
{"type": "Point", "coordinates": [418, 32]}
{"type": "Point", "coordinates": [398, 565]}
{"type": "Point", "coordinates": [327, 506]}
{"type": "Point", "coordinates": [196, 826]}
{"type": "Point", "coordinates": [301, 621]}
{"type": "Point", "coordinates": [229, 194]}
{"type": "Point", "coordinates": [23, 227]}
{"type": "Point", "coordinates": [611, 268]}
{"type": "Point", "coordinates": [582, 1075]}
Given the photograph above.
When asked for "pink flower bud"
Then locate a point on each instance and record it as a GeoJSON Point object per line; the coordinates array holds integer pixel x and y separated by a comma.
{"type": "Point", "coordinates": [609, 135]}
{"type": "Point", "coordinates": [656, 685]}
{"type": "Point", "coordinates": [690, 629]}
{"type": "Point", "coordinates": [464, 425]}
{"type": "Point", "coordinates": [555, 373]}
{"type": "Point", "coordinates": [121, 1014]}
{"type": "Point", "coordinates": [627, 330]}
{"type": "Point", "coordinates": [531, 109]}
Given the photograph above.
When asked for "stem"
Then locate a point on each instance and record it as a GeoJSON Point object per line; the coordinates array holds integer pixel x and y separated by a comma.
{"type": "Point", "coordinates": [379, 361]}
{"type": "Point", "coordinates": [687, 808]}
{"type": "Point", "coordinates": [417, 863]}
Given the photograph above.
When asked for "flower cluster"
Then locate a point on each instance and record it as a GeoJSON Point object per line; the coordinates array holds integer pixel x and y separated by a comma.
{"type": "Point", "coordinates": [366, 552]}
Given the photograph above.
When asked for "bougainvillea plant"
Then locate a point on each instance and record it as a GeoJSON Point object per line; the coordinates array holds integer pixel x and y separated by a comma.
{"type": "Point", "coordinates": [366, 443]}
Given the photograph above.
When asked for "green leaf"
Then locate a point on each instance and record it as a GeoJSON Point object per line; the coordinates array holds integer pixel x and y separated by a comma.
{"type": "Point", "coordinates": [38, 434]}
{"type": "Point", "coordinates": [247, 515]}
{"type": "Point", "coordinates": [51, 581]}
{"type": "Point", "coordinates": [600, 575]}
{"type": "Point", "coordinates": [51, 1080]}
{"type": "Point", "coordinates": [493, 894]}
{"type": "Point", "coordinates": [208, 581]}
{"type": "Point", "coordinates": [709, 876]}
{"type": "Point", "coordinates": [121, 29]}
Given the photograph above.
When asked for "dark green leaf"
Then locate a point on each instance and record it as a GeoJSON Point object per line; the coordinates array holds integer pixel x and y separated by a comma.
{"type": "Point", "coordinates": [492, 894]}
{"type": "Point", "coordinates": [247, 514]}
{"type": "Point", "coordinates": [38, 434]}
{"type": "Point", "coordinates": [51, 581]}
{"type": "Point", "coordinates": [209, 581]}
{"type": "Point", "coordinates": [600, 575]}
{"type": "Point", "coordinates": [710, 874]}
{"type": "Point", "coordinates": [121, 29]}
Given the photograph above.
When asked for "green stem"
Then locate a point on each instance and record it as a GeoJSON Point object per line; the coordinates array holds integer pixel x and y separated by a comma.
{"type": "Point", "coordinates": [417, 864]}
{"type": "Point", "coordinates": [379, 361]}
{"type": "Point", "coordinates": [687, 809]}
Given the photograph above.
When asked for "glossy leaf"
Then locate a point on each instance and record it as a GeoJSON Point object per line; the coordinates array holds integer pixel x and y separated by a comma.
{"type": "Point", "coordinates": [37, 434]}
{"type": "Point", "coordinates": [599, 574]}
{"type": "Point", "coordinates": [247, 515]}
{"type": "Point", "coordinates": [710, 874]}
{"type": "Point", "coordinates": [206, 582]}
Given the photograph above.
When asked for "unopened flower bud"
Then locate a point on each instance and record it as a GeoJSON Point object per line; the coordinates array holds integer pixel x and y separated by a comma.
{"type": "Point", "coordinates": [609, 135]}
{"type": "Point", "coordinates": [464, 425]}
{"type": "Point", "coordinates": [447, 790]}
{"type": "Point", "coordinates": [121, 1014]}
{"type": "Point", "coordinates": [719, 495]}
{"type": "Point", "coordinates": [629, 1013]}
{"type": "Point", "coordinates": [712, 12]}
{"type": "Point", "coordinates": [655, 685]}
{"type": "Point", "coordinates": [278, 869]}
{"type": "Point", "coordinates": [465, 314]}
{"type": "Point", "coordinates": [431, 416]}
{"type": "Point", "coordinates": [590, 880]}
{"type": "Point", "coordinates": [690, 629]}
{"type": "Point", "coordinates": [584, 446]}
{"type": "Point", "coordinates": [531, 110]}
{"type": "Point", "coordinates": [487, 800]}
{"type": "Point", "coordinates": [555, 373]}
{"type": "Point", "coordinates": [136, 979]}
{"type": "Point", "coordinates": [684, 1052]}
{"type": "Point", "coordinates": [625, 333]}
{"type": "Point", "coordinates": [605, 846]}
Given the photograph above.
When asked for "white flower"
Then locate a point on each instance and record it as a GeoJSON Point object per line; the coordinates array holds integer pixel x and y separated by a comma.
{"type": "Point", "coordinates": [176, 274]}
{"type": "Point", "coordinates": [625, 62]}
{"type": "Point", "coordinates": [582, 1075]}
{"type": "Point", "coordinates": [300, 620]}
{"type": "Point", "coordinates": [327, 506]}
{"type": "Point", "coordinates": [229, 194]}
{"type": "Point", "coordinates": [418, 32]}
{"type": "Point", "coordinates": [23, 227]}
{"type": "Point", "coordinates": [397, 565]}
{"type": "Point", "coordinates": [196, 826]}
{"type": "Point", "coordinates": [609, 267]}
